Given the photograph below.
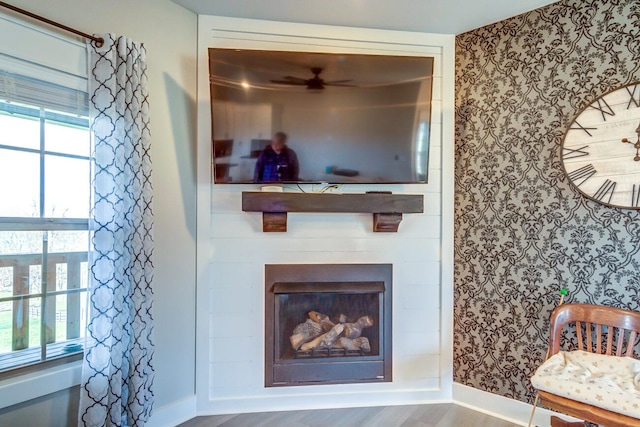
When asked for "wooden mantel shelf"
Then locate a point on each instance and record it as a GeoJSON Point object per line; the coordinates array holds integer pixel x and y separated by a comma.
{"type": "Point", "coordinates": [387, 208]}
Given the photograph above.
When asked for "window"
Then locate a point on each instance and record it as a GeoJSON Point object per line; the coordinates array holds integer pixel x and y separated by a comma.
{"type": "Point", "coordinates": [422, 148]}
{"type": "Point", "coordinates": [44, 204]}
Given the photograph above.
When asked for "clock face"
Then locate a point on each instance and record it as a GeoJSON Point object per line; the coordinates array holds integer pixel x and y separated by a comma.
{"type": "Point", "coordinates": [601, 149]}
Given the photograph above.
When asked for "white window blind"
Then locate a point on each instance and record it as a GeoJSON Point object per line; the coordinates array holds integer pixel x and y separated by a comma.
{"type": "Point", "coordinates": [31, 91]}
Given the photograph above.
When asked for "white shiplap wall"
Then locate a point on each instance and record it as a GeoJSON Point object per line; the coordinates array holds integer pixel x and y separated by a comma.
{"type": "Point", "coordinates": [232, 250]}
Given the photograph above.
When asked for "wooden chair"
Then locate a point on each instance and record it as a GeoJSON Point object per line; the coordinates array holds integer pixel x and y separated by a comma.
{"type": "Point", "coordinates": [592, 318]}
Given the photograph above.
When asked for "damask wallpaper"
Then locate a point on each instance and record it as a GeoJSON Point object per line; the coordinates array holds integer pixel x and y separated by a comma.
{"type": "Point", "coordinates": [522, 232]}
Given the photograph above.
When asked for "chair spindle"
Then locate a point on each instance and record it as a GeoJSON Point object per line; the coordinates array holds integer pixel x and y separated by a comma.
{"type": "Point", "coordinates": [621, 333]}
{"type": "Point", "coordinates": [579, 333]}
{"type": "Point", "coordinates": [631, 343]}
{"type": "Point", "coordinates": [589, 338]}
{"type": "Point", "coordinates": [610, 332]}
{"type": "Point", "coordinates": [598, 338]}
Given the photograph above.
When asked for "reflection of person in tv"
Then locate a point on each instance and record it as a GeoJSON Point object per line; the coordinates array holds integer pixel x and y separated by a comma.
{"type": "Point", "coordinates": [277, 162]}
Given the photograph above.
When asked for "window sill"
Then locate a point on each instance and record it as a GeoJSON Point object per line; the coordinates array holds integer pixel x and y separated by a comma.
{"type": "Point", "coordinates": [32, 385]}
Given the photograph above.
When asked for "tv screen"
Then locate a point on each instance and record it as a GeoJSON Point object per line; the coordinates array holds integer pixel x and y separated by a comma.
{"type": "Point", "coordinates": [319, 117]}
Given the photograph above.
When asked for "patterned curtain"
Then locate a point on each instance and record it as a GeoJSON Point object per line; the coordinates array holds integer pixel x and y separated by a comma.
{"type": "Point", "coordinates": [118, 372]}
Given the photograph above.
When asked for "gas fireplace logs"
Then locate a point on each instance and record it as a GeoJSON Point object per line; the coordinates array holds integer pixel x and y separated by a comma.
{"type": "Point", "coordinates": [324, 340]}
{"type": "Point", "coordinates": [322, 319]}
{"type": "Point", "coordinates": [305, 332]}
{"type": "Point", "coordinates": [319, 332]}
{"type": "Point", "coordinates": [361, 343]}
{"type": "Point", "coordinates": [354, 330]}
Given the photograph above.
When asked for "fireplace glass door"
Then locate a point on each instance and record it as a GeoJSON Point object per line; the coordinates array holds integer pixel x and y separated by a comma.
{"type": "Point", "coordinates": [302, 307]}
{"type": "Point", "coordinates": [326, 332]}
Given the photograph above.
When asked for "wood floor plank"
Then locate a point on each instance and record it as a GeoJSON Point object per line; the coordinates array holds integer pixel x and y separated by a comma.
{"type": "Point", "coordinates": [342, 416]}
{"type": "Point", "coordinates": [264, 419]}
{"type": "Point", "coordinates": [429, 415]}
{"type": "Point", "coordinates": [212, 421]}
{"type": "Point", "coordinates": [464, 417]}
{"type": "Point", "coordinates": [393, 415]}
{"type": "Point", "coordinates": [436, 415]}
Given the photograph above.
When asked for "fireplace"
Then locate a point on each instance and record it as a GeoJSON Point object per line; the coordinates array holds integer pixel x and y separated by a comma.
{"type": "Point", "coordinates": [327, 324]}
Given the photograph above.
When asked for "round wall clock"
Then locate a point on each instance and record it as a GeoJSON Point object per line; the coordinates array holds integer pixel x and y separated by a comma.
{"type": "Point", "coordinates": [601, 149]}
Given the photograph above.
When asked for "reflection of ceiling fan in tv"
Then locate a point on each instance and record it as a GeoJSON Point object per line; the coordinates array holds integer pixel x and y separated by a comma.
{"type": "Point", "coordinates": [314, 83]}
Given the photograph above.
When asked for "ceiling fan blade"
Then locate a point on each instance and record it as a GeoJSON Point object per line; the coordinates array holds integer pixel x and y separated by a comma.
{"type": "Point", "coordinates": [294, 79]}
{"type": "Point", "coordinates": [315, 83]}
{"type": "Point", "coordinates": [339, 81]}
{"type": "Point", "coordinates": [290, 82]}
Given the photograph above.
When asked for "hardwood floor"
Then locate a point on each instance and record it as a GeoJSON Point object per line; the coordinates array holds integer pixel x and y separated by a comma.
{"type": "Point", "coordinates": [438, 415]}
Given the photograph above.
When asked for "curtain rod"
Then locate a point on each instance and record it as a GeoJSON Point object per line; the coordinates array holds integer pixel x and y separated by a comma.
{"type": "Point", "coordinates": [99, 41]}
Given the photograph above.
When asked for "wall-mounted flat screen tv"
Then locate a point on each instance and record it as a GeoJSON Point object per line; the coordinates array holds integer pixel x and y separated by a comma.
{"type": "Point", "coordinates": [319, 117]}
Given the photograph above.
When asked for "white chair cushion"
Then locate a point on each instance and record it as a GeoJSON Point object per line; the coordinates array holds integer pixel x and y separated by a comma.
{"type": "Point", "coordinates": [608, 382]}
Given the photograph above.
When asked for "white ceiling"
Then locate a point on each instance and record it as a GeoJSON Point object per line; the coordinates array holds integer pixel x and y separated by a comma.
{"type": "Point", "coordinates": [429, 16]}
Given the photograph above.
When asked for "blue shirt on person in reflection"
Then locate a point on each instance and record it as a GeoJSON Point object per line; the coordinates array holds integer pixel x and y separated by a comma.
{"type": "Point", "coordinates": [274, 167]}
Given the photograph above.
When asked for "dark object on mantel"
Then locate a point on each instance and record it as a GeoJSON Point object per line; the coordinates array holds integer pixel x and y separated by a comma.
{"type": "Point", "coordinates": [387, 208]}
{"type": "Point", "coordinates": [345, 172]}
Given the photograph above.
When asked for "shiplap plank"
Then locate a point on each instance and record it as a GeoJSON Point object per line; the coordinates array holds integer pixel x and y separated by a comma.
{"type": "Point", "coordinates": [417, 343]}
{"type": "Point", "coordinates": [417, 273]}
{"type": "Point", "coordinates": [410, 367]}
{"type": "Point", "coordinates": [417, 321]}
{"type": "Point", "coordinates": [229, 325]}
{"type": "Point", "coordinates": [421, 297]}
{"type": "Point", "coordinates": [236, 349]}
{"type": "Point", "coordinates": [422, 250]}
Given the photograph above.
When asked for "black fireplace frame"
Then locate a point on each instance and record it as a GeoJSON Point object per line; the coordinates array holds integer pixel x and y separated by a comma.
{"type": "Point", "coordinates": [334, 278]}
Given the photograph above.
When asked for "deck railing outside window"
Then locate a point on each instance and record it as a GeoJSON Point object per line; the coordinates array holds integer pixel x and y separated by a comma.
{"type": "Point", "coordinates": [42, 304]}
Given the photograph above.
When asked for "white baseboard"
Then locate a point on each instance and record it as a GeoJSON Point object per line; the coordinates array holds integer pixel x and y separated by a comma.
{"type": "Point", "coordinates": [505, 408]}
{"type": "Point", "coordinates": [484, 402]}
{"type": "Point", "coordinates": [174, 413]}
{"type": "Point", "coordinates": [323, 401]}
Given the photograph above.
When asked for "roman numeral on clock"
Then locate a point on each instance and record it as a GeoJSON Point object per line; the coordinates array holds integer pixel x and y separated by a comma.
{"type": "Point", "coordinates": [582, 174]}
{"type": "Point", "coordinates": [633, 96]}
{"type": "Point", "coordinates": [635, 196]}
{"type": "Point", "coordinates": [571, 153]}
{"type": "Point", "coordinates": [580, 127]}
{"type": "Point", "coordinates": [604, 108]}
{"type": "Point", "coordinates": [606, 189]}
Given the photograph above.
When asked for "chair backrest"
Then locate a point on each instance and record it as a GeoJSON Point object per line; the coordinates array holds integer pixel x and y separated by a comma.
{"type": "Point", "coordinates": [593, 318]}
